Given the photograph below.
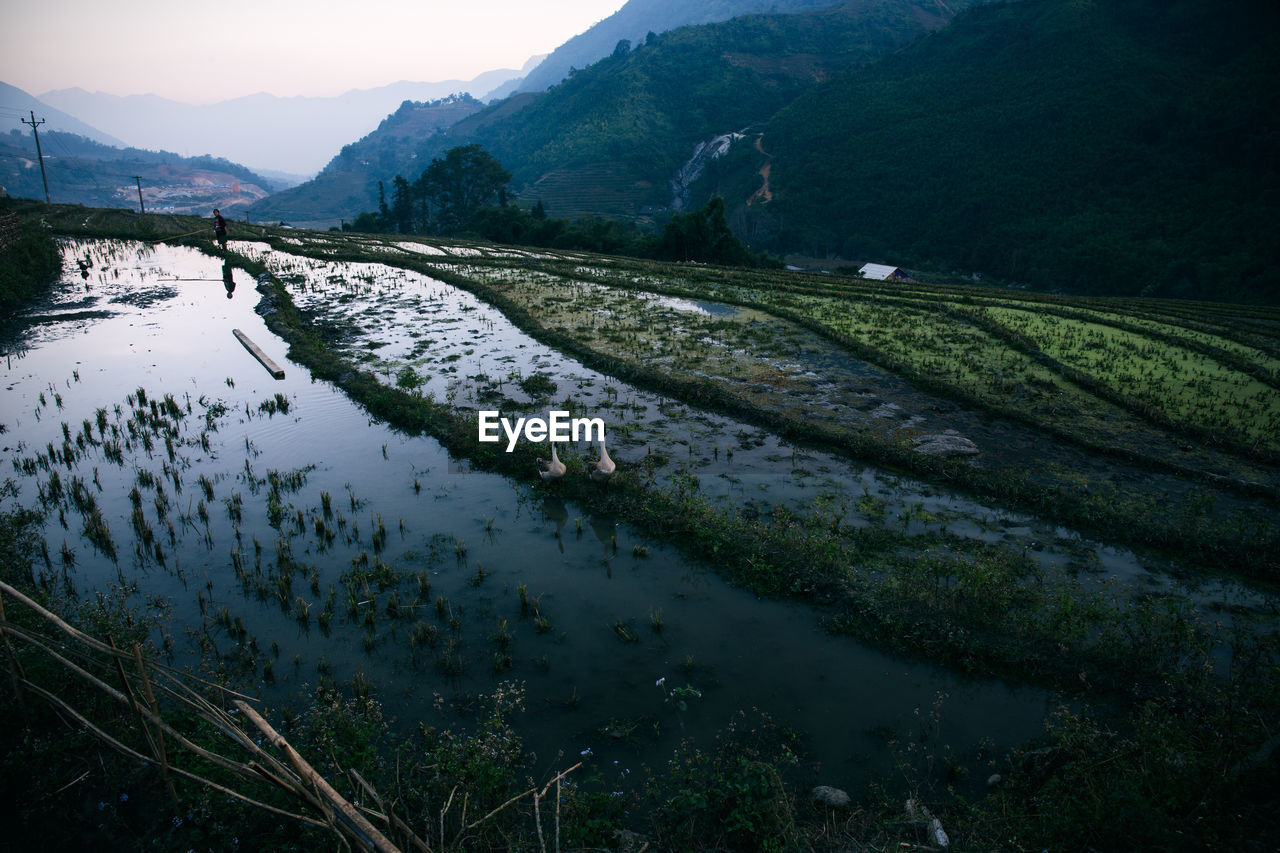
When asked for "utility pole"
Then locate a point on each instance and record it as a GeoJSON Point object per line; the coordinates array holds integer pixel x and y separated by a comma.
{"type": "Point", "coordinates": [34, 124]}
{"type": "Point", "coordinates": [141, 208]}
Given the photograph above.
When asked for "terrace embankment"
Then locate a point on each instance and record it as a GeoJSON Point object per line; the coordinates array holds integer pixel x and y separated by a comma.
{"type": "Point", "coordinates": [875, 375]}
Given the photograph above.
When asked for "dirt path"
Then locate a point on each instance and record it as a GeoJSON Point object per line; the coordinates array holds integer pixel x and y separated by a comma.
{"type": "Point", "coordinates": [763, 194]}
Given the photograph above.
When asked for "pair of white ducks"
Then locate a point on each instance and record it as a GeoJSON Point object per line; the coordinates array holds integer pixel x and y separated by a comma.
{"type": "Point", "coordinates": [600, 470]}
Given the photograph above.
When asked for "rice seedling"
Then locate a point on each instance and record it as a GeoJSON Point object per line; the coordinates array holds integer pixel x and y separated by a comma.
{"type": "Point", "coordinates": [624, 632]}
{"type": "Point", "coordinates": [502, 636]}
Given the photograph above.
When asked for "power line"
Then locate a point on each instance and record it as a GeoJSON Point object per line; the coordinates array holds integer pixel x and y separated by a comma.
{"type": "Point", "coordinates": [34, 124]}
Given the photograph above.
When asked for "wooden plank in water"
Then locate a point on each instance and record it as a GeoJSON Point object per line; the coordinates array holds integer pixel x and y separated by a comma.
{"type": "Point", "coordinates": [272, 368]}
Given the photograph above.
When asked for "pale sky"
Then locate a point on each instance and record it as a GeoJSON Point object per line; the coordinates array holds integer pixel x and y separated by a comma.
{"type": "Point", "coordinates": [201, 52]}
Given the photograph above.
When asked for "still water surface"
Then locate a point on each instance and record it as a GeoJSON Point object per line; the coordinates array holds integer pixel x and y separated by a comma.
{"type": "Point", "coordinates": [161, 319]}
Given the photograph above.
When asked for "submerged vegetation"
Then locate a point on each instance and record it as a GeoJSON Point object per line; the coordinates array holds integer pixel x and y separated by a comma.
{"type": "Point", "coordinates": [1146, 423]}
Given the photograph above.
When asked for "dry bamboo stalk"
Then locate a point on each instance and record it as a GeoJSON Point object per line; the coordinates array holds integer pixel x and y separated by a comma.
{"type": "Point", "coordinates": [358, 822]}
{"type": "Point", "coordinates": [284, 784]}
{"type": "Point", "coordinates": [206, 710]}
{"type": "Point", "coordinates": [132, 753]}
{"type": "Point", "coordinates": [445, 811]}
{"type": "Point", "coordinates": [369, 789]}
{"type": "Point", "coordinates": [537, 821]}
{"type": "Point", "coordinates": [39, 641]}
{"type": "Point", "coordinates": [133, 701]}
{"type": "Point", "coordinates": [214, 757]}
{"type": "Point", "coordinates": [181, 677]}
{"type": "Point", "coordinates": [393, 820]}
{"type": "Point", "coordinates": [98, 645]}
{"type": "Point", "coordinates": [56, 620]}
{"type": "Point", "coordinates": [556, 779]}
{"type": "Point", "coordinates": [221, 720]}
{"type": "Point", "coordinates": [16, 675]}
{"type": "Point", "coordinates": [227, 763]}
{"type": "Point", "coordinates": [161, 752]}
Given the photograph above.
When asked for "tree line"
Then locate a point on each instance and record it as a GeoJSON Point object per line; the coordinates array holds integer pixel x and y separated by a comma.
{"type": "Point", "coordinates": [466, 193]}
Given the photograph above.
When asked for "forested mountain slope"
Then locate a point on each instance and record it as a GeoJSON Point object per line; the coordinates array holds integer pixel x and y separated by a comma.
{"type": "Point", "coordinates": [608, 140]}
{"type": "Point", "coordinates": [634, 21]}
{"type": "Point", "coordinates": [1116, 146]}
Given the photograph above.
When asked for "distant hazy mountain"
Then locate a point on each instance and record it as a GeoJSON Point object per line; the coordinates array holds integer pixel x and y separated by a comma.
{"type": "Point", "coordinates": [16, 105]}
{"type": "Point", "coordinates": [296, 136]}
{"type": "Point", "coordinates": [634, 21]}
{"type": "Point", "coordinates": [349, 183]}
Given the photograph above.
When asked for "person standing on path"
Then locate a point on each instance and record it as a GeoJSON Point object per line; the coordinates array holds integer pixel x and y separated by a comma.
{"type": "Point", "coordinates": [220, 229]}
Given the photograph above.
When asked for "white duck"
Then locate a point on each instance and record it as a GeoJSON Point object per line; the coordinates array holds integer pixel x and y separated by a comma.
{"type": "Point", "coordinates": [551, 470]}
{"type": "Point", "coordinates": [602, 470]}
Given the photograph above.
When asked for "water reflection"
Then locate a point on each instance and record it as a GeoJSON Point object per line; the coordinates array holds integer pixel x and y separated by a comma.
{"type": "Point", "coordinates": [275, 503]}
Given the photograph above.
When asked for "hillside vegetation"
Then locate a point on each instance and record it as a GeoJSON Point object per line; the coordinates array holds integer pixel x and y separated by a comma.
{"type": "Point", "coordinates": [1122, 146]}
{"type": "Point", "coordinates": [635, 20]}
{"type": "Point", "coordinates": [634, 116]}
{"type": "Point", "coordinates": [29, 257]}
{"type": "Point", "coordinates": [648, 105]}
{"type": "Point", "coordinates": [1118, 146]}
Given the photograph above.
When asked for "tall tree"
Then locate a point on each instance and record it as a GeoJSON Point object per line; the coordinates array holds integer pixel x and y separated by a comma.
{"type": "Point", "coordinates": [456, 186]}
{"type": "Point", "coordinates": [384, 212]}
{"type": "Point", "coordinates": [402, 205]}
{"type": "Point", "coordinates": [703, 235]}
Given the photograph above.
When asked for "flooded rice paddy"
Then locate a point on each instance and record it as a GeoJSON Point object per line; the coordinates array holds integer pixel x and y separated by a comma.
{"type": "Point", "coordinates": [287, 537]}
{"type": "Point", "coordinates": [418, 332]}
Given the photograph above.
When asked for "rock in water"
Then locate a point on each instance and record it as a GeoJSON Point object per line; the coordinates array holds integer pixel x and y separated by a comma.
{"type": "Point", "coordinates": [945, 445]}
{"type": "Point", "coordinates": [825, 795]}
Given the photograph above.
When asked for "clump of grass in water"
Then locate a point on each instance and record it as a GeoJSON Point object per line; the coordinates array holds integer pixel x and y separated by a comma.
{"type": "Point", "coordinates": [302, 610]}
{"type": "Point", "coordinates": [624, 632]}
{"type": "Point", "coordinates": [206, 486]}
{"type": "Point", "coordinates": [424, 634]}
{"type": "Point", "coordinates": [276, 404]}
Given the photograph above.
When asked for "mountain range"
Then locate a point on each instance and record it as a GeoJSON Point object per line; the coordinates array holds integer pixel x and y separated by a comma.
{"type": "Point", "coordinates": [1096, 146]}
{"type": "Point", "coordinates": [16, 105]}
{"type": "Point", "coordinates": [279, 137]}
{"type": "Point", "coordinates": [633, 23]}
{"type": "Point", "coordinates": [609, 139]}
